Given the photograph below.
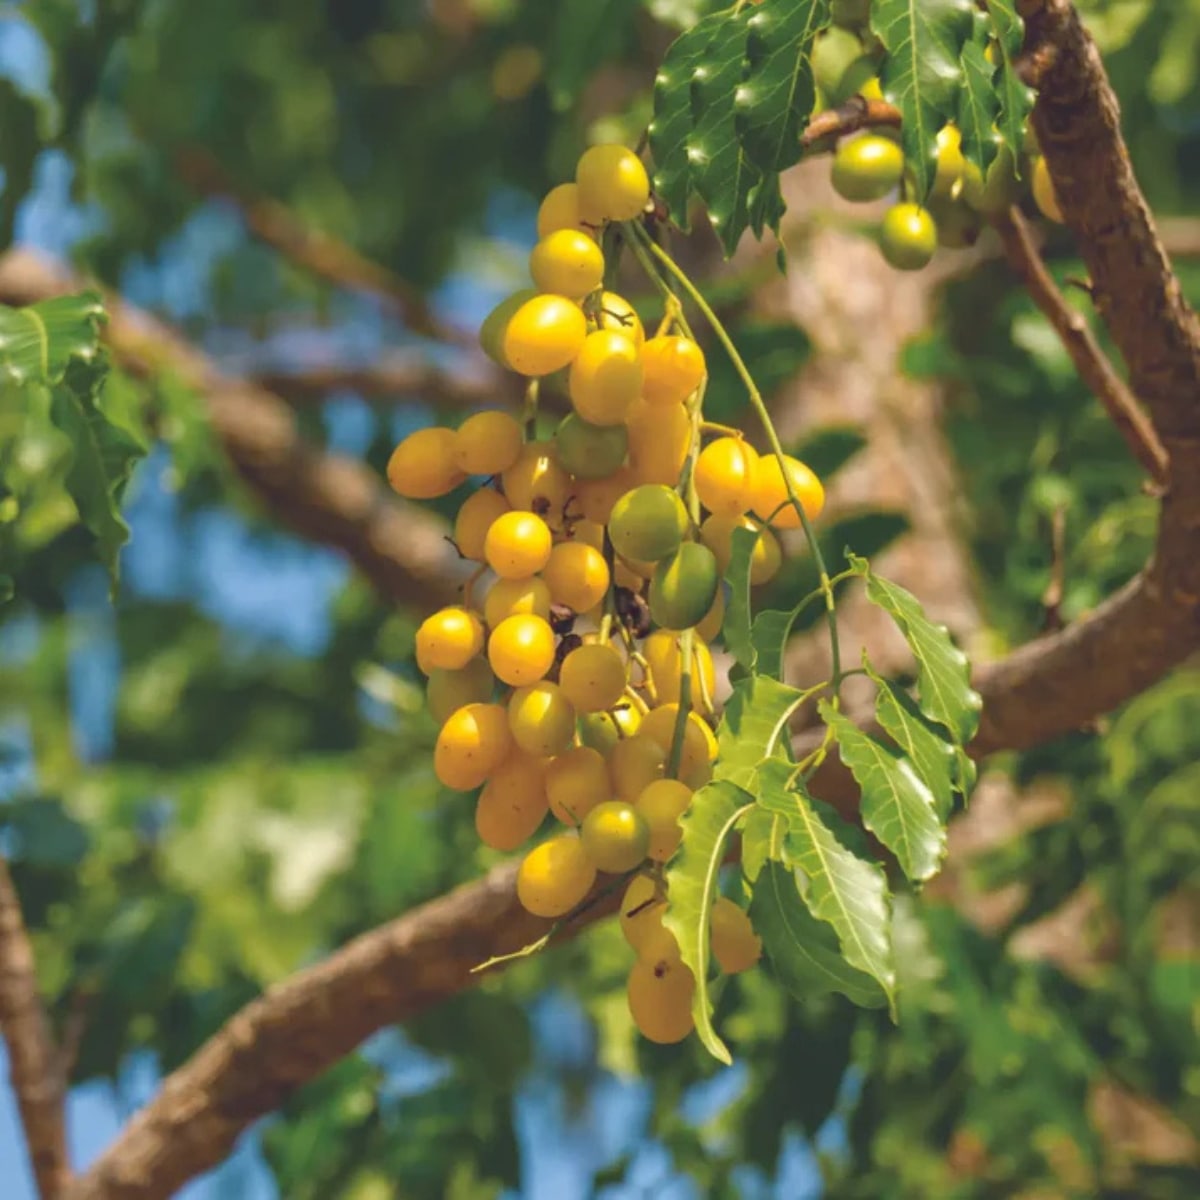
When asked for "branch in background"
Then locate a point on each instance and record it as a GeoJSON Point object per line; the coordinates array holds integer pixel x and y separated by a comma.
{"type": "Point", "coordinates": [857, 113]}
{"type": "Point", "coordinates": [329, 498]}
{"type": "Point", "coordinates": [1080, 343]}
{"type": "Point", "coordinates": [323, 256]}
{"type": "Point", "coordinates": [32, 1059]}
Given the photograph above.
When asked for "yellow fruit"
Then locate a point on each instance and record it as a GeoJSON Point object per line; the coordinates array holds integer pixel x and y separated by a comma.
{"type": "Point", "coordinates": [567, 263]}
{"type": "Point", "coordinates": [555, 876]}
{"type": "Point", "coordinates": [766, 558]}
{"type": "Point", "coordinates": [450, 690]}
{"type": "Point", "coordinates": [659, 441]}
{"type": "Point", "coordinates": [588, 533]}
{"type": "Point", "coordinates": [642, 908]}
{"type": "Point", "coordinates": [593, 677]}
{"type": "Point", "coordinates": [673, 369]}
{"type": "Point", "coordinates": [633, 764]}
{"type": "Point", "coordinates": [544, 335]}
{"type": "Point", "coordinates": [605, 378]}
{"type": "Point", "coordinates": [491, 332]}
{"type": "Point", "coordinates": [521, 649]}
{"type": "Point", "coordinates": [616, 314]}
{"type": "Point", "coordinates": [724, 476]}
{"type": "Point", "coordinates": [699, 741]}
{"type": "Point", "coordinates": [537, 483]}
{"type": "Point", "coordinates": [576, 781]}
{"type": "Point", "coordinates": [1044, 195]}
{"type": "Point", "coordinates": [735, 945]}
{"type": "Point", "coordinates": [577, 576]}
{"type": "Point", "coordinates": [423, 466]}
{"type": "Point", "coordinates": [660, 1000]}
{"type": "Point", "coordinates": [770, 492]}
{"type": "Point", "coordinates": [661, 804]}
{"type": "Point", "coordinates": [541, 719]}
{"type": "Point", "coordinates": [509, 597]}
{"type": "Point", "coordinates": [512, 804]}
{"type": "Point", "coordinates": [710, 628]}
{"type": "Point", "coordinates": [559, 210]}
{"type": "Point", "coordinates": [613, 184]}
{"type": "Point", "coordinates": [517, 545]}
{"type": "Point", "coordinates": [472, 743]}
{"type": "Point", "coordinates": [474, 520]}
{"type": "Point", "coordinates": [615, 836]}
{"type": "Point", "coordinates": [448, 639]}
{"type": "Point", "coordinates": [661, 651]}
{"type": "Point", "coordinates": [487, 443]}
{"type": "Point", "coordinates": [596, 497]}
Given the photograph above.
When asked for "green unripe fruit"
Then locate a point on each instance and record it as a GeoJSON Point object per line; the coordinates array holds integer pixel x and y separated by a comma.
{"type": "Point", "coordinates": [958, 225]}
{"type": "Point", "coordinates": [867, 168]}
{"type": "Point", "coordinates": [491, 332]}
{"type": "Point", "coordinates": [648, 523]}
{"type": "Point", "coordinates": [590, 451]}
{"type": "Point", "coordinates": [599, 731]}
{"type": "Point", "coordinates": [615, 836]}
{"type": "Point", "coordinates": [684, 587]}
{"type": "Point", "coordinates": [908, 237]}
{"type": "Point", "coordinates": [839, 66]}
{"type": "Point", "coordinates": [1001, 187]}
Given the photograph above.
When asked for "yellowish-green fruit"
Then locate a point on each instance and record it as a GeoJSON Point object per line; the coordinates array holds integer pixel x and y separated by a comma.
{"type": "Point", "coordinates": [660, 1000]}
{"type": "Point", "coordinates": [593, 677]}
{"type": "Point", "coordinates": [555, 876]}
{"type": "Point", "coordinates": [541, 719]}
{"type": "Point", "coordinates": [590, 451]}
{"type": "Point", "coordinates": [648, 523]}
{"type": "Point", "coordinates": [908, 237]}
{"type": "Point", "coordinates": [735, 945]}
{"type": "Point", "coordinates": [661, 804]}
{"type": "Point", "coordinates": [605, 377]}
{"type": "Point", "coordinates": [766, 558]}
{"type": "Point", "coordinates": [512, 804]}
{"type": "Point", "coordinates": [867, 168]}
{"type": "Point", "coordinates": [633, 764]}
{"type": "Point", "coordinates": [491, 332]}
{"type": "Point", "coordinates": [472, 743]}
{"type": "Point", "coordinates": [613, 184]}
{"type": "Point", "coordinates": [615, 836]}
{"type": "Point", "coordinates": [642, 907]}
{"type": "Point", "coordinates": [660, 439]}
{"type": "Point", "coordinates": [684, 586]}
{"type": "Point", "coordinates": [1044, 195]}
{"type": "Point", "coordinates": [661, 652]}
{"type": "Point", "coordinates": [451, 690]}
{"type": "Point", "coordinates": [487, 443]}
{"type": "Point", "coordinates": [576, 781]}
{"type": "Point", "coordinates": [509, 597]}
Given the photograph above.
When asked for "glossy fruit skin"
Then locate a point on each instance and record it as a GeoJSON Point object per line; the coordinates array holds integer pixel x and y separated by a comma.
{"type": "Point", "coordinates": [423, 466]}
{"type": "Point", "coordinates": [648, 523]}
{"type": "Point", "coordinates": [512, 804]}
{"type": "Point", "coordinates": [491, 332]}
{"type": "Point", "coordinates": [521, 649]}
{"type": "Point", "coordinates": [472, 743]}
{"type": "Point", "coordinates": [590, 451]}
{"type": "Point", "coordinates": [661, 651]}
{"type": "Point", "coordinates": [616, 836]}
{"type": "Point", "coordinates": [770, 492]}
{"type": "Point", "coordinates": [617, 315]}
{"type": "Point", "coordinates": [605, 378]}
{"type": "Point", "coordinates": [699, 741]}
{"type": "Point", "coordinates": [593, 677]}
{"type": "Point", "coordinates": [684, 586]}
{"type": "Point", "coordinates": [735, 945]}
{"type": "Point", "coordinates": [950, 161]}
{"type": "Point", "coordinates": [660, 1000]}
{"type": "Point", "coordinates": [448, 639]}
{"type": "Point", "coordinates": [541, 719]}
{"type": "Point", "coordinates": [543, 335]}
{"type": "Point", "coordinates": [567, 263]}
{"type": "Point", "coordinates": [450, 690]}
{"type": "Point", "coordinates": [908, 237]}
{"type": "Point", "coordinates": [1044, 195]}
{"type": "Point", "coordinates": [517, 545]}
{"type": "Point", "coordinates": [633, 764]}
{"type": "Point", "coordinates": [709, 628]}
{"type": "Point", "coordinates": [867, 168]}
{"type": "Point", "coordinates": [660, 438]}
{"type": "Point", "coordinates": [559, 210]}
{"type": "Point", "coordinates": [642, 909]}
{"type": "Point", "coordinates": [840, 68]}
{"type": "Point", "coordinates": [487, 443]}
{"type": "Point", "coordinates": [577, 576]}
{"type": "Point", "coordinates": [576, 781]}
{"type": "Point", "coordinates": [661, 804]}
{"type": "Point", "coordinates": [474, 519]}
{"type": "Point", "coordinates": [724, 476]}
{"type": "Point", "coordinates": [509, 597]}
{"type": "Point", "coordinates": [595, 497]}
{"type": "Point", "coordinates": [613, 184]}
{"type": "Point", "coordinates": [767, 557]}
{"type": "Point", "coordinates": [673, 367]}
{"type": "Point", "coordinates": [537, 483]}
{"type": "Point", "coordinates": [555, 876]}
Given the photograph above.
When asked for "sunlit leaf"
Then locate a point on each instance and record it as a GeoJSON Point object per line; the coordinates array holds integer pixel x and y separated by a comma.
{"type": "Point", "coordinates": [754, 726]}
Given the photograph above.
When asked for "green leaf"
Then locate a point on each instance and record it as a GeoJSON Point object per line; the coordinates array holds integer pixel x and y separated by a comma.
{"type": "Point", "coordinates": [777, 93]}
{"type": "Point", "coordinates": [38, 343]}
{"type": "Point", "coordinates": [774, 352]}
{"type": "Point", "coordinates": [671, 128]}
{"type": "Point", "coordinates": [803, 950]}
{"type": "Point", "coordinates": [736, 626]}
{"type": "Point", "coordinates": [692, 887]}
{"type": "Point", "coordinates": [771, 632]}
{"type": "Point", "coordinates": [921, 73]}
{"type": "Point", "coordinates": [897, 806]}
{"type": "Point", "coordinates": [943, 673]}
{"type": "Point", "coordinates": [977, 108]}
{"type": "Point", "coordinates": [828, 448]}
{"type": "Point", "coordinates": [845, 891]}
{"type": "Point", "coordinates": [753, 726]}
{"type": "Point", "coordinates": [924, 743]}
{"type": "Point", "coordinates": [1015, 98]}
{"type": "Point", "coordinates": [586, 34]}
{"type": "Point", "coordinates": [721, 173]}
{"type": "Point", "coordinates": [758, 835]}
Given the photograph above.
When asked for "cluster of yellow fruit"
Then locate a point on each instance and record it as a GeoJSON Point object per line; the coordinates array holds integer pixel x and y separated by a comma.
{"type": "Point", "coordinates": [870, 166]}
{"type": "Point", "coordinates": [561, 691]}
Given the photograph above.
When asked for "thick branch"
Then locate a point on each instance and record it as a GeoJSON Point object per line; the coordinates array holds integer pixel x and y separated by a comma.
{"type": "Point", "coordinates": [32, 1059]}
{"type": "Point", "coordinates": [316, 252]}
{"type": "Point", "coordinates": [329, 498]}
{"type": "Point", "coordinates": [1090, 360]}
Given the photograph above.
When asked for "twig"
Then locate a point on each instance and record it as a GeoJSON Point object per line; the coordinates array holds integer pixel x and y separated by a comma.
{"type": "Point", "coordinates": [857, 113]}
{"type": "Point", "coordinates": [1052, 597]}
{"type": "Point", "coordinates": [32, 1058]}
{"type": "Point", "coordinates": [318, 253]}
{"type": "Point", "coordinates": [1080, 343]}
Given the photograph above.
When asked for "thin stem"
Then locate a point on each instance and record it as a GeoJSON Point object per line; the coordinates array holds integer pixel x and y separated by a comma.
{"type": "Point", "coordinates": [756, 400]}
{"type": "Point", "coordinates": [723, 430]}
{"type": "Point", "coordinates": [686, 642]}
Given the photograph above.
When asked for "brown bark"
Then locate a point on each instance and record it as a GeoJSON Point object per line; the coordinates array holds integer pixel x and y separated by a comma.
{"type": "Point", "coordinates": [32, 1060]}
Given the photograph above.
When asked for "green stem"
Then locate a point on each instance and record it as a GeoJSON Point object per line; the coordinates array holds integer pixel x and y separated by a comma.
{"type": "Point", "coordinates": [686, 642]}
{"type": "Point", "coordinates": [640, 239]}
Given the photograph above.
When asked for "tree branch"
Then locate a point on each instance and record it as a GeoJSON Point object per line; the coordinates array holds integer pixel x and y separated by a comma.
{"type": "Point", "coordinates": [32, 1058]}
{"type": "Point", "coordinates": [1080, 343]}
{"type": "Point", "coordinates": [329, 498]}
{"type": "Point", "coordinates": [857, 113]}
{"type": "Point", "coordinates": [316, 252]}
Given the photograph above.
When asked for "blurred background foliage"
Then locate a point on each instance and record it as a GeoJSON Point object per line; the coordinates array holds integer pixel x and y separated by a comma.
{"type": "Point", "coordinates": [217, 779]}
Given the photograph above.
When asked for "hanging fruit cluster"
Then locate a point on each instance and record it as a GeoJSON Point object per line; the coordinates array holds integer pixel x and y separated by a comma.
{"type": "Point", "coordinates": [576, 679]}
